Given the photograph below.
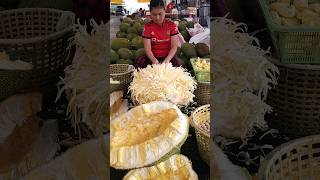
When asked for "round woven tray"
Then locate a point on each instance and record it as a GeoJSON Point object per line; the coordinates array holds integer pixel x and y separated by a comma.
{"type": "Point", "coordinates": [296, 100]}
{"type": "Point", "coordinates": [40, 36]}
{"type": "Point", "coordinates": [199, 116]}
{"type": "Point", "coordinates": [122, 73]}
{"type": "Point", "coordinates": [296, 159]}
{"type": "Point", "coordinates": [202, 93]}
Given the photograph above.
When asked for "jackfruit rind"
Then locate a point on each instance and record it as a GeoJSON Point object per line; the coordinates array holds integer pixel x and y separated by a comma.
{"type": "Point", "coordinates": [132, 30]}
{"type": "Point", "coordinates": [114, 57]}
{"type": "Point", "coordinates": [125, 53]}
{"type": "Point", "coordinates": [130, 36]}
{"type": "Point", "coordinates": [121, 34]}
{"type": "Point", "coordinates": [124, 27]}
{"type": "Point", "coordinates": [147, 134]}
{"type": "Point", "coordinates": [137, 43]}
{"type": "Point", "coordinates": [202, 49]}
{"type": "Point", "coordinates": [176, 167]}
{"type": "Point", "coordinates": [140, 52]}
{"type": "Point", "coordinates": [118, 43]}
{"type": "Point", "coordinates": [189, 50]}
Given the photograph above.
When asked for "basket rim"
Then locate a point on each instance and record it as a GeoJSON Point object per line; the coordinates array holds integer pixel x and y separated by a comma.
{"type": "Point", "coordinates": [41, 38]}
{"type": "Point", "coordinates": [119, 74]}
{"type": "Point", "coordinates": [194, 125]}
{"type": "Point", "coordinates": [293, 66]}
{"type": "Point", "coordinates": [279, 150]}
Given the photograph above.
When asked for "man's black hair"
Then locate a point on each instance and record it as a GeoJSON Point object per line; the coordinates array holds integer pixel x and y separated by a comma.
{"type": "Point", "coordinates": [156, 3]}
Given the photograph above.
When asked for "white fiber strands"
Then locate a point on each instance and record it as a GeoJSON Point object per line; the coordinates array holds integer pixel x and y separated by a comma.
{"type": "Point", "coordinates": [242, 78]}
{"type": "Point", "coordinates": [86, 77]}
{"type": "Point", "coordinates": [163, 82]}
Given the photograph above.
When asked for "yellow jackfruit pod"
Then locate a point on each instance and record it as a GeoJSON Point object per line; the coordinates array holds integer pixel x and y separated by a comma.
{"type": "Point", "coordinates": [146, 135]}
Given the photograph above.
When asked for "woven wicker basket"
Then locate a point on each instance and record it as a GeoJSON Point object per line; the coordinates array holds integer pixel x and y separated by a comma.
{"type": "Point", "coordinates": [199, 116]}
{"type": "Point", "coordinates": [296, 159]}
{"type": "Point", "coordinates": [296, 100]}
{"type": "Point", "coordinates": [122, 73]}
{"type": "Point", "coordinates": [40, 36]}
{"type": "Point", "coordinates": [202, 93]}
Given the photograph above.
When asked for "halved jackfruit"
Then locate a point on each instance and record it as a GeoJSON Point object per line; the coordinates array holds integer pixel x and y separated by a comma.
{"type": "Point", "coordinates": [176, 167]}
{"type": "Point", "coordinates": [117, 104]}
{"type": "Point", "coordinates": [147, 134]}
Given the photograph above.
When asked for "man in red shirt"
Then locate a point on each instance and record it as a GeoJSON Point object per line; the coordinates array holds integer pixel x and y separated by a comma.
{"type": "Point", "coordinates": [159, 38]}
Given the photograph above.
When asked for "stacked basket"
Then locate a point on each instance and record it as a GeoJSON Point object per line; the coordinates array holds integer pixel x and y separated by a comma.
{"type": "Point", "coordinates": [297, 159]}
{"type": "Point", "coordinates": [39, 36]}
{"type": "Point", "coordinates": [296, 100]}
{"type": "Point", "coordinates": [201, 117]}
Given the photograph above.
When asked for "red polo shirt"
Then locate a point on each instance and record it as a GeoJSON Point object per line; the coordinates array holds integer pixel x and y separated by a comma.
{"type": "Point", "coordinates": [160, 37]}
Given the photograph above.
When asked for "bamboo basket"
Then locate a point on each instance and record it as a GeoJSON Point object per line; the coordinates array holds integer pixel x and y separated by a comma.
{"type": "Point", "coordinates": [296, 100]}
{"type": "Point", "coordinates": [202, 93]}
{"type": "Point", "coordinates": [199, 116]}
{"type": "Point", "coordinates": [122, 73]}
{"type": "Point", "coordinates": [295, 160]}
{"type": "Point", "coordinates": [40, 36]}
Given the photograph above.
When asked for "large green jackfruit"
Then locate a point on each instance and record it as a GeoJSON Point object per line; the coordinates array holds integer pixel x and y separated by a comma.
{"type": "Point", "coordinates": [137, 42]}
{"type": "Point", "coordinates": [118, 43]}
{"type": "Point", "coordinates": [186, 35]}
{"type": "Point", "coordinates": [121, 34]}
{"type": "Point", "coordinates": [190, 24]}
{"type": "Point", "coordinates": [125, 53]}
{"type": "Point", "coordinates": [114, 57]}
{"type": "Point", "coordinates": [124, 27]}
{"type": "Point", "coordinates": [132, 30]}
{"type": "Point", "coordinates": [182, 26]}
{"type": "Point", "coordinates": [130, 36]}
{"type": "Point", "coordinates": [202, 49]}
{"type": "Point", "coordinates": [140, 52]}
{"type": "Point", "coordinates": [189, 50]}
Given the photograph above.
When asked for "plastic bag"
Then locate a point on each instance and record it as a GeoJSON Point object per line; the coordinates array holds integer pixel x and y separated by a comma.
{"type": "Point", "coordinates": [195, 30]}
{"type": "Point", "coordinates": [203, 37]}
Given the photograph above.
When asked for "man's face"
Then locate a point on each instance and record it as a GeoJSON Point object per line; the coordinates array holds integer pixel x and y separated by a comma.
{"type": "Point", "coordinates": [158, 14]}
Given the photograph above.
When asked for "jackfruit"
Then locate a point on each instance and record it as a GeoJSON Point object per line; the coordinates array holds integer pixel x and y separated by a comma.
{"type": "Point", "coordinates": [114, 57]}
{"type": "Point", "coordinates": [185, 61]}
{"type": "Point", "coordinates": [125, 61]}
{"type": "Point", "coordinates": [130, 36]}
{"type": "Point", "coordinates": [124, 27]}
{"type": "Point", "coordinates": [118, 43]}
{"type": "Point", "coordinates": [136, 25]}
{"type": "Point", "coordinates": [137, 43]}
{"type": "Point", "coordinates": [189, 50]}
{"type": "Point", "coordinates": [140, 52]}
{"type": "Point", "coordinates": [132, 30]}
{"type": "Point", "coordinates": [300, 4]}
{"type": "Point", "coordinates": [176, 167]}
{"type": "Point", "coordinates": [127, 20]}
{"type": "Point", "coordinates": [147, 134]}
{"type": "Point", "coordinates": [202, 49]}
{"type": "Point", "coordinates": [140, 30]}
{"type": "Point", "coordinates": [284, 9]}
{"type": "Point", "coordinates": [182, 26]}
{"type": "Point", "coordinates": [186, 35]}
{"type": "Point", "coordinates": [121, 34]}
{"type": "Point", "coordinates": [190, 24]}
{"type": "Point", "coordinates": [125, 53]}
